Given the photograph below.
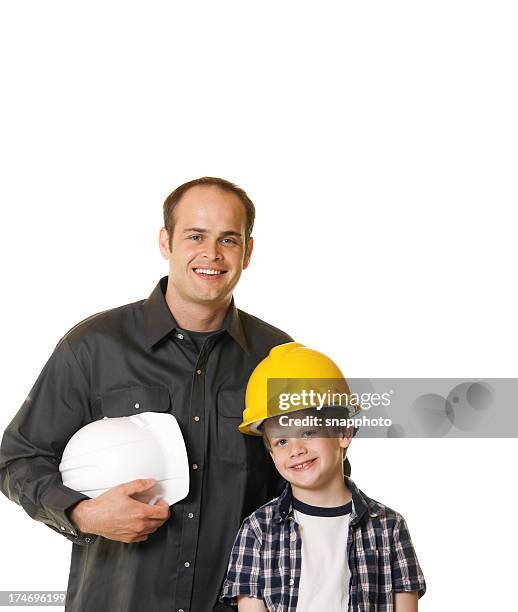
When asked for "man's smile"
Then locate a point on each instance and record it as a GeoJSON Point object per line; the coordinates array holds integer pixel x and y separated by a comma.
{"type": "Point", "coordinates": [208, 273]}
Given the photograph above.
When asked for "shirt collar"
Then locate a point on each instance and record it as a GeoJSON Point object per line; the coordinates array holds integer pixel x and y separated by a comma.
{"type": "Point", "coordinates": [361, 504]}
{"type": "Point", "coordinates": [159, 320]}
{"type": "Point", "coordinates": [234, 326]}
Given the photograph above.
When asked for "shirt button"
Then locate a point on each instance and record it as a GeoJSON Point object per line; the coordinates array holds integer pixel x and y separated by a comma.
{"type": "Point", "coordinates": [292, 582]}
{"type": "Point", "coordinates": [187, 564]}
{"type": "Point", "coordinates": [137, 406]}
{"type": "Point", "coordinates": [194, 466]}
{"type": "Point", "coordinates": [179, 336]}
{"type": "Point", "coordinates": [293, 537]}
{"type": "Point", "coordinates": [196, 418]}
{"type": "Point", "coordinates": [63, 528]}
{"type": "Point", "coordinates": [88, 540]}
{"type": "Point", "coordinates": [190, 515]}
{"type": "Point", "coordinates": [198, 372]}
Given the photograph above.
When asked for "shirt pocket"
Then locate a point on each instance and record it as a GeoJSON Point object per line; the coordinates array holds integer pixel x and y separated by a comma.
{"type": "Point", "coordinates": [134, 400]}
{"type": "Point", "coordinates": [229, 441]}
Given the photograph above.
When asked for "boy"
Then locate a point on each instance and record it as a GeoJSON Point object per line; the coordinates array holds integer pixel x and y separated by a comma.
{"type": "Point", "coordinates": [322, 545]}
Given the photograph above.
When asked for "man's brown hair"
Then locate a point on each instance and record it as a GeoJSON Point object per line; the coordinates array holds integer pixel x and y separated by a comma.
{"type": "Point", "coordinates": [173, 198]}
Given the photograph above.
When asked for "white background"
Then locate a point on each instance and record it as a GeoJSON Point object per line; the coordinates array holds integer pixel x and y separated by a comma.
{"type": "Point", "coordinates": [378, 141]}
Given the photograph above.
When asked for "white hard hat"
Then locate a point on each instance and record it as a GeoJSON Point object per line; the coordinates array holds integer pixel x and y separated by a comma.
{"type": "Point", "coordinates": [112, 451]}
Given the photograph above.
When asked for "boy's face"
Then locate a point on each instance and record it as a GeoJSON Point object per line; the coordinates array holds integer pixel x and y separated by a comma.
{"type": "Point", "coordinates": [305, 456]}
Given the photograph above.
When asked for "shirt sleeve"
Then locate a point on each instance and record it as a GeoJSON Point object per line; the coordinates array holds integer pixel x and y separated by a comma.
{"type": "Point", "coordinates": [244, 568]}
{"type": "Point", "coordinates": [33, 443]}
{"type": "Point", "coordinates": [406, 571]}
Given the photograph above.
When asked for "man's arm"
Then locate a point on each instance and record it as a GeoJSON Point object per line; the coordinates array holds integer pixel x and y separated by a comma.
{"type": "Point", "coordinates": [58, 405]}
{"type": "Point", "coordinates": [405, 601]}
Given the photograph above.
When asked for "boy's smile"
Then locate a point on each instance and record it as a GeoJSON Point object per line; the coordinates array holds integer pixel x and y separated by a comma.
{"type": "Point", "coordinates": [306, 465]}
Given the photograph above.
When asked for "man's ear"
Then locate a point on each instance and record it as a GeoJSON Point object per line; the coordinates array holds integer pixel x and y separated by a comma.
{"type": "Point", "coordinates": [163, 243]}
{"type": "Point", "coordinates": [249, 249]}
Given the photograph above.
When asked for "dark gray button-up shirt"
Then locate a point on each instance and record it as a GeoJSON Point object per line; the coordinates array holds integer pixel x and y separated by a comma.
{"type": "Point", "coordinates": [106, 366]}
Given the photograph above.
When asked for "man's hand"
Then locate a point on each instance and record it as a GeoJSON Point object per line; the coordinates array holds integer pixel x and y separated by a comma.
{"type": "Point", "coordinates": [117, 516]}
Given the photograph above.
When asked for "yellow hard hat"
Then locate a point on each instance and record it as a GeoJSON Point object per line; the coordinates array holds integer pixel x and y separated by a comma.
{"type": "Point", "coordinates": [288, 367]}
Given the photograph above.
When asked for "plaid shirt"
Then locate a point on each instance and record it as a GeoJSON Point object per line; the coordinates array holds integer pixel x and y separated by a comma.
{"type": "Point", "coordinates": [266, 558]}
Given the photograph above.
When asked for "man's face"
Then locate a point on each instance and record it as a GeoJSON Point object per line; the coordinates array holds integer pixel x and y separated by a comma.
{"type": "Point", "coordinates": [207, 252]}
{"type": "Point", "coordinates": [304, 455]}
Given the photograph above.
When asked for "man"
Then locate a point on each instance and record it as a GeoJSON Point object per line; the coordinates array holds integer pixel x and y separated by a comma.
{"type": "Point", "coordinates": [186, 350]}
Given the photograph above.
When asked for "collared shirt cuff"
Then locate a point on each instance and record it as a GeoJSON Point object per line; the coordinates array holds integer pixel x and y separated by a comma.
{"type": "Point", "coordinates": [232, 590]}
{"type": "Point", "coordinates": [407, 586]}
{"type": "Point", "coordinates": [63, 501]}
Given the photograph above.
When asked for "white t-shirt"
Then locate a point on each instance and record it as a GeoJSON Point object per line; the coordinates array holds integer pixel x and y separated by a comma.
{"type": "Point", "coordinates": [325, 575]}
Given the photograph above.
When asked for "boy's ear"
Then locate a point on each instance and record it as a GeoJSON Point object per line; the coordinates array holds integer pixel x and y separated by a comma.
{"type": "Point", "coordinates": [346, 436]}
